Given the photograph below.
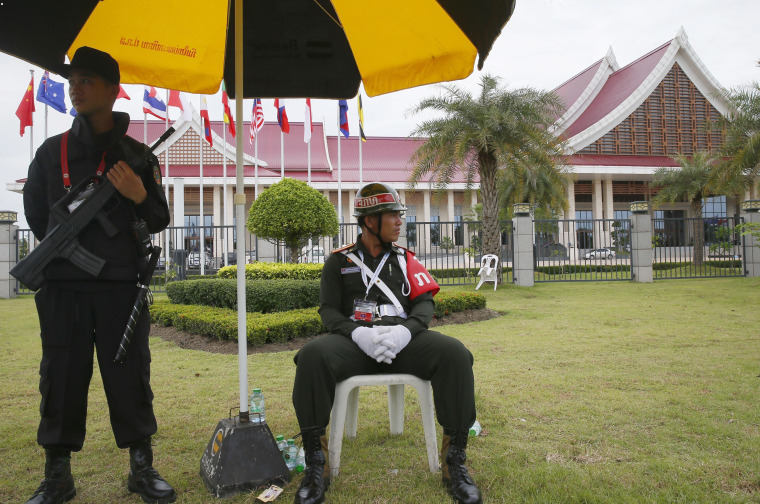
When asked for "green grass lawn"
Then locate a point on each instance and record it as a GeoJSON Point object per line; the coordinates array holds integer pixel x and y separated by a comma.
{"type": "Point", "coordinates": [587, 393]}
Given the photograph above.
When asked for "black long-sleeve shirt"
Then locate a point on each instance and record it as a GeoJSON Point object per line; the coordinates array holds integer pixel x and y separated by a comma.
{"type": "Point", "coordinates": [44, 187]}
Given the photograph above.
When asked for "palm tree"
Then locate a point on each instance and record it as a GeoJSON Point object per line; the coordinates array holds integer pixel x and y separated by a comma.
{"type": "Point", "coordinates": [497, 133]}
{"type": "Point", "coordinates": [742, 142]}
{"type": "Point", "coordinates": [692, 182]}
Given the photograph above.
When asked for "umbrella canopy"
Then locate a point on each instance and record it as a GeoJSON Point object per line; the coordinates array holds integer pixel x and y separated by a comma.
{"type": "Point", "coordinates": [294, 48]}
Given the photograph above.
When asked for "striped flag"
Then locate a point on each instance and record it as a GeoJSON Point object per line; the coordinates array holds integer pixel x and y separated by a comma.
{"type": "Point", "coordinates": [361, 120]}
{"type": "Point", "coordinates": [308, 127]}
{"type": "Point", "coordinates": [343, 117]}
{"type": "Point", "coordinates": [282, 116]}
{"type": "Point", "coordinates": [227, 112]}
{"type": "Point", "coordinates": [257, 119]}
{"type": "Point", "coordinates": [177, 99]}
{"type": "Point", "coordinates": [206, 121]}
{"type": "Point", "coordinates": [152, 104]}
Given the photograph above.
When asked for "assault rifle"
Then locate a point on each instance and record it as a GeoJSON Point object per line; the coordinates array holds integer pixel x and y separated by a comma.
{"type": "Point", "coordinates": [74, 212]}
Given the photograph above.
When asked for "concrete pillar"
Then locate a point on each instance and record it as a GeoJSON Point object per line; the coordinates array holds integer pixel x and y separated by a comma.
{"type": "Point", "coordinates": [596, 211]}
{"type": "Point", "coordinates": [641, 242]}
{"type": "Point", "coordinates": [609, 212]}
{"type": "Point", "coordinates": [570, 242]}
{"type": "Point", "coordinates": [751, 214]}
{"type": "Point", "coordinates": [218, 243]}
{"type": "Point", "coordinates": [8, 245]}
{"type": "Point", "coordinates": [522, 267]}
{"type": "Point", "coordinates": [179, 213]}
{"type": "Point", "coordinates": [423, 235]}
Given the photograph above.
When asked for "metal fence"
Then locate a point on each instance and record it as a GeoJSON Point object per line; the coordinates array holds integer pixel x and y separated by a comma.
{"type": "Point", "coordinates": [450, 250]}
{"type": "Point", "coordinates": [678, 253]}
{"type": "Point", "coordinates": [582, 250]}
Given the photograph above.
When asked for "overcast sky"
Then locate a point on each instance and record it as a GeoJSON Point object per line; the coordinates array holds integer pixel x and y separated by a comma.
{"type": "Point", "coordinates": [545, 43]}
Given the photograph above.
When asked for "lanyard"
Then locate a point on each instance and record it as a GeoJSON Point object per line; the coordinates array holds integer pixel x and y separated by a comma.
{"type": "Point", "coordinates": [65, 162]}
{"type": "Point", "coordinates": [375, 275]}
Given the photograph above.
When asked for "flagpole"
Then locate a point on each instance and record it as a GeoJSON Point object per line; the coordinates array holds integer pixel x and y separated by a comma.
{"type": "Point", "coordinates": [203, 221]}
{"type": "Point", "coordinates": [282, 155]}
{"type": "Point", "coordinates": [31, 126]}
{"type": "Point", "coordinates": [340, 199]}
{"type": "Point", "coordinates": [360, 159]}
{"type": "Point", "coordinates": [166, 187]}
{"type": "Point", "coordinates": [224, 196]}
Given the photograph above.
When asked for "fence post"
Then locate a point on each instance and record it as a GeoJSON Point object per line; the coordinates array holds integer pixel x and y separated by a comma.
{"type": "Point", "coordinates": [523, 264]}
{"type": "Point", "coordinates": [751, 214]}
{"type": "Point", "coordinates": [8, 246]}
{"type": "Point", "coordinates": [641, 242]}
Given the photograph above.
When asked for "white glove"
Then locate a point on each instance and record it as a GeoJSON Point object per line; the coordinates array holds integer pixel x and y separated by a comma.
{"type": "Point", "coordinates": [395, 338]}
{"type": "Point", "coordinates": [364, 337]}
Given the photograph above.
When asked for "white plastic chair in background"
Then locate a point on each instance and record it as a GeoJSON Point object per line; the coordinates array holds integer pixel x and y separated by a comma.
{"type": "Point", "coordinates": [345, 412]}
{"type": "Point", "coordinates": [488, 270]}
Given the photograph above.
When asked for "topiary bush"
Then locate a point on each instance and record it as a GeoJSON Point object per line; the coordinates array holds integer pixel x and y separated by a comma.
{"type": "Point", "coordinates": [449, 302]}
{"type": "Point", "coordinates": [263, 296]}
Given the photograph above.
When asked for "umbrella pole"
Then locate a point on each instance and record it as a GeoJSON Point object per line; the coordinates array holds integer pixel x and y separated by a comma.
{"type": "Point", "coordinates": [241, 455]}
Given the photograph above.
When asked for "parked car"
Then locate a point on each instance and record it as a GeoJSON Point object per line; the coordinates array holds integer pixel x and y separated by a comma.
{"type": "Point", "coordinates": [317, 255]}
{"type": "Point", "coordinates": [600, 253]}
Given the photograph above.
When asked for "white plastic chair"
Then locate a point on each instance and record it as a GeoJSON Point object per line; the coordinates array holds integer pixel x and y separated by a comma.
{"type": "Point", "coordinates": [345, 412]}
{"type": "Point", "coordinates": [488, 270]}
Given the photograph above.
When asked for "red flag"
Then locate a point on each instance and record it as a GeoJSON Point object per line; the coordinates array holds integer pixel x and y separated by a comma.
{"type": "Point", "coordinates": [308, 127]}
{"type": "Point", "coordinates": [282, 116]}
{"type": "Point", "coordinates": [123, 94]}
{"type": "Point", "coordinates": [26, 108]}
{"type": "Point", "coordinates": [176, 99]}
{"type": "Point", "coordinates": [206, 121]}
{"type": "Point", "coordinates": [257, 119]}
{"type": "Point", "coordinates": [227, 112]}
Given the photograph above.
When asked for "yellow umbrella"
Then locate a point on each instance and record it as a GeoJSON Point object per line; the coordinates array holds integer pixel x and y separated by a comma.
{"type": "Point", "coordinates": [316, 48]}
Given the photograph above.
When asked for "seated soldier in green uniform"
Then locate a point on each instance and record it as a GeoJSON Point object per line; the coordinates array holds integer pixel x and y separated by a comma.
{"type": "Point", "coordinates": [377, 301]}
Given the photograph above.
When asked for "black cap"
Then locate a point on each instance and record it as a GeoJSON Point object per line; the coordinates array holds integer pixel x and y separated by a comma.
{"type": "Point", "coordinates": [97, 62]}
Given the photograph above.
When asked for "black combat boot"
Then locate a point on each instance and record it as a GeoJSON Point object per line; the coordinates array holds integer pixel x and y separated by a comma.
{"type": "Point", "coordinates": [145, 480]}
{"type": "Point", "coordinates": [455, 476]}
{"type": "Point", "coordinates": [58, 485]}
{"type": "Point", "coordinates": [316, 476]}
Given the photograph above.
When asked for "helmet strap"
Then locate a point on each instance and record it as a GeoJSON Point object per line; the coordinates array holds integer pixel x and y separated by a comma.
{"type": "Point", "coordinates": [379, 229]}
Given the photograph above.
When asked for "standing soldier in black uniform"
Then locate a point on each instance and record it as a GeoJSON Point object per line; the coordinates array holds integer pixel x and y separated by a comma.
{"type": "Point", "coordinates": [381, 328]}
{"type": "Point", "coordinates": [77, 311]}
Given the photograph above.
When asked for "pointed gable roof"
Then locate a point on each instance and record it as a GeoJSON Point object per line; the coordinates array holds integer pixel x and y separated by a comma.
{"type": "Point", "coordinates": [627, 88]}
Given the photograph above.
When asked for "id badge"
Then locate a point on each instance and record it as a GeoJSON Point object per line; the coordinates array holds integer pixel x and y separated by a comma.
{"type": "Point", "coordinates": [364, 310]}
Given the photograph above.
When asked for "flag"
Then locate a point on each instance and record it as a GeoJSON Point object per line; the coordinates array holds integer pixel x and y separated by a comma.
{"type": "Point", "coordinates": [51, 93]}
{"type": "Point", "coordinates": [177, 99]}
{"type": "Point", "coordinates": [206, 121]}
{"type": "Point", "coordinates": [282, 116]}
{"type": "Point", "coordinates": [343, 117]}
{"type": "Point", "coordinates": [307, 126]}
{"type": "Point", "coordinates": [152, 104]}
{"type": "Point", "coordinates": [227, 112]}
{"type": "Point", "coordinates": [123, 94]}
{"type": "Point", "coordinates": [361, 120]}
{"type": "Point", "coordinates": [26, 108]}
{"type": "Point", "coordinates": [257, 119]}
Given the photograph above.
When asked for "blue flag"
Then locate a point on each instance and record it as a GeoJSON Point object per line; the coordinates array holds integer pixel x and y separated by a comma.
{"type": "Point", "coordinates": [343, 117]}
{"type": "Point", "coordinates": [51, 93]}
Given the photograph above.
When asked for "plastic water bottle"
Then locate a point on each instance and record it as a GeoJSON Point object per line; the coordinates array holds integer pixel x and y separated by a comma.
{"type": "Point", "coordinates": [257, 406]}
{"type": "Point", "coordinates": [475, 429]}
{"type": "Point", "coordinates": [301, 461]}
{"type": "Point", "coordinates": [281, 444]}
{"type": "Point", "coordinates": [291, 454]}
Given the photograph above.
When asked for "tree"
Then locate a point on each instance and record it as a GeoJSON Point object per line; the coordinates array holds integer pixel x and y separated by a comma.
{"type": "Point", "coordinates": [498, 133]}
{"type": "Point", "coordinates": [692, 182]}
{"type": "Point", "coordinates": [742, 141]}
{"type": "Point", "coordinates": [292, 212]}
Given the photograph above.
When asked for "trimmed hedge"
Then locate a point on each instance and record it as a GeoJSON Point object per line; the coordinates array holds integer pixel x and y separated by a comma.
{"type": "Point", "coordinates": [264, 328]}
{"type": "Point", "coordinates": [726, 263]}
{"type": "Point", "coordinates": [221, 323]}
{"type": "Point", "coordinates": [271, 271]}
{"type": "Point", "coordinates": [264, 296]}
{"type": "Point", "coordinates": [582, 268]}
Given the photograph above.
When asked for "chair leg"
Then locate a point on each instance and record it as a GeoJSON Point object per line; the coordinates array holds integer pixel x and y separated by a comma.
{"type": "Point", "coordinates": [425, 395]}
{"type": "Point", "coordinates": [352, 413]}
{"type": "Point", "coordinates": [337, 424]}
{"type": "Point", "coordinates": [396, 408]}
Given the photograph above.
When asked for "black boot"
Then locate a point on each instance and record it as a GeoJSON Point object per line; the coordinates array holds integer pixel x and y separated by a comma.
{"type": "Point", "coordinates": [316, 477]}
{"type": "Point", "coordinates": [58, 485]}
{"type": "Point", "coordinates": [145, 480]}
{"type": "Point", "coordinates": [455, 476]}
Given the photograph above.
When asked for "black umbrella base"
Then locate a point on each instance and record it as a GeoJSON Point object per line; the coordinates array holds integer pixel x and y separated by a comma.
{"type": "Point", "coordinates": [242, 457]}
